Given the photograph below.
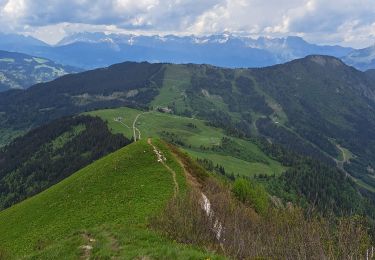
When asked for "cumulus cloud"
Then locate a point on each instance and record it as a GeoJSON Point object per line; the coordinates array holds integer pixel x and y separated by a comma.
{"type": "Point", "coordinates": [348, 22]}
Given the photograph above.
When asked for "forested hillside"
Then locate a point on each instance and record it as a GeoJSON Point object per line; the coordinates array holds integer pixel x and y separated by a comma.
{"type": "Point", "coordinates": [49, 154]}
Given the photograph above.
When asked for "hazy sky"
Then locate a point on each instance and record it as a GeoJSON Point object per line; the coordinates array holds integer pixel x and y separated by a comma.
{"type": "Point", "coordinates": [345, 22]}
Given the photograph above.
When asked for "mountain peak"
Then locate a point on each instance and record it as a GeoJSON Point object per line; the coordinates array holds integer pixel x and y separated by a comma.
{"type": "Point", "coordinates": [19, 39]}
{"type": "Point", "coordinates": [325, 60]}
{"type": "Point", "coordinates": [295, 39]}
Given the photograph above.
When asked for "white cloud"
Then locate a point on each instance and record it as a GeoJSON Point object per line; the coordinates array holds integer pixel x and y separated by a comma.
{"type": "Point", "coordinates": [349, 22]}
{"type": "Point", "coordinates": [14, 8]}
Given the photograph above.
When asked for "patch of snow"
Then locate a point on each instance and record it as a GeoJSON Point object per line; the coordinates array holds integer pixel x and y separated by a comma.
{"type": "Point", "coordinates": [206, 206]}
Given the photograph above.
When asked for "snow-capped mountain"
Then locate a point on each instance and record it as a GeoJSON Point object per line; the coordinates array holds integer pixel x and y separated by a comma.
{"type": "Point", "coordinates": [92, 50]}
{"type": "Point", "coordinates": [225, 49]}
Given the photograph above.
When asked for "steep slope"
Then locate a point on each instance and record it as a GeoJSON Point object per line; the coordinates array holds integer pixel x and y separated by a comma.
{"type": "Point", "coordinates": [101, 211]}
{"type": "Point", "coordinates": [48, 154]}
{"type": "Point", "coordinates": [328, 104]}
{"type": "Point", "coordinates": [20, 71]}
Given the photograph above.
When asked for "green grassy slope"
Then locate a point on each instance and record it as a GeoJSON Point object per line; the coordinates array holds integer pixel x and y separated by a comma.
{"type": "Point", "coordinates": [105, 205]}
{"type": "Point", "coordinates": [249, 161]}
{"type": "Point", "coordinates": [176, 81]}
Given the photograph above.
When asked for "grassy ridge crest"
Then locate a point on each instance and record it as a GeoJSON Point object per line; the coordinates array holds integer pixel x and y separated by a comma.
{"type": "Point", "coordinates": [114, 198]}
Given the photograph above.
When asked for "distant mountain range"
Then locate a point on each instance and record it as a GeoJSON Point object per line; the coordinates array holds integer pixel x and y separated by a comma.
{"type": "Point", "coordinates": [20, 71]}
{"type": "Point", "coordinates": [363, 59]}
{"type": "Point", "coordinates": [221, 50]}
{"type": "Point", "coordinates": [93, 50]}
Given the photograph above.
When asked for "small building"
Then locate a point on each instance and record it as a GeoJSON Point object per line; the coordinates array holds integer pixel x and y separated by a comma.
{"type": "Point", "coordinates": [164, 110]}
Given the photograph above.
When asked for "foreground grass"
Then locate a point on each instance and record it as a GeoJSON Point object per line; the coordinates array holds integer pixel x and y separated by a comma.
{"type": "Point", "coordinates": [156, 124]}
{"type": "Point", "coordinates": [106, 206]}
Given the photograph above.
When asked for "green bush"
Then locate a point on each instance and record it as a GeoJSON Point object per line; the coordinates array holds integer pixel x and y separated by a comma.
{"type": "Point", "coordinates": [251, 193]}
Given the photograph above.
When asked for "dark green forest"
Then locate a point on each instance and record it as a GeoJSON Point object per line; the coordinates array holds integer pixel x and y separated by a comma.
{"type": "Point", "coordinates": [48, 154]}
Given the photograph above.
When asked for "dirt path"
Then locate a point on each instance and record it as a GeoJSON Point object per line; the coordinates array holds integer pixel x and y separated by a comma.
{"type": "Point", "coordinates": [161, 159]}
{"type": "Point", "coordinates": [139, 133]}
{"type": "Point", "coordinates": [123, 124]}
{"type": "Point", "coordinates": [135, 129]}
{"type": "Point", "coordinates": [86, 249]}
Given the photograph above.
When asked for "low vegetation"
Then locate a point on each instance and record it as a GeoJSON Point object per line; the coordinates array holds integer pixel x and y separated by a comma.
{"type": "Point", "coordinates": [251, 227]}
{"type": "Point", "coordinates": [251, 193]}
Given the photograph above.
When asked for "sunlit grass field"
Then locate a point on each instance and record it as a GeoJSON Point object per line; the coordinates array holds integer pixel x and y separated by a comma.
{"type": "Point", "coordinates": [153, 124]}
{"type": "Point", "coordinates": [105, 206]}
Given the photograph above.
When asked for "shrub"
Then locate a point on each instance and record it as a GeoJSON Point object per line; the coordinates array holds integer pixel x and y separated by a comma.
{"type": "Point", "coordinates": [251, 193]}
{"type": "Point", "coordinates": [285, 233]}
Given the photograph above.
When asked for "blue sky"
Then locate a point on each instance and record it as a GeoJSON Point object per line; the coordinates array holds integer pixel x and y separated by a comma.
{"type": "Point", "coordinates": [344, 22]}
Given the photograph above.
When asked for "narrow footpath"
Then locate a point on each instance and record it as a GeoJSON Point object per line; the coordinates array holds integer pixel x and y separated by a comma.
{"type": "Point", "coordinates": [161, 159]}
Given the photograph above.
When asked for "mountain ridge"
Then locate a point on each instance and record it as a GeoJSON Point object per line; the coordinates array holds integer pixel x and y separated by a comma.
{"type": "Point", "coordinates": [364, 59]}
{"type": "Point", "coordinates": [310, 105]}
{"type": "Point", "coordinates": [20, 71]}
{"type": "Point", "coordinates": [225, 49]}
{"type": "Point", "coordinates": [120, 191]}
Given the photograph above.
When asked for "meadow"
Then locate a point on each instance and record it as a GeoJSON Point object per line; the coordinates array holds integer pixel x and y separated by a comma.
{"type": "Point", "coordinates": [195, 137]}
{"type": "Point", "coordinates": [101, 211]}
